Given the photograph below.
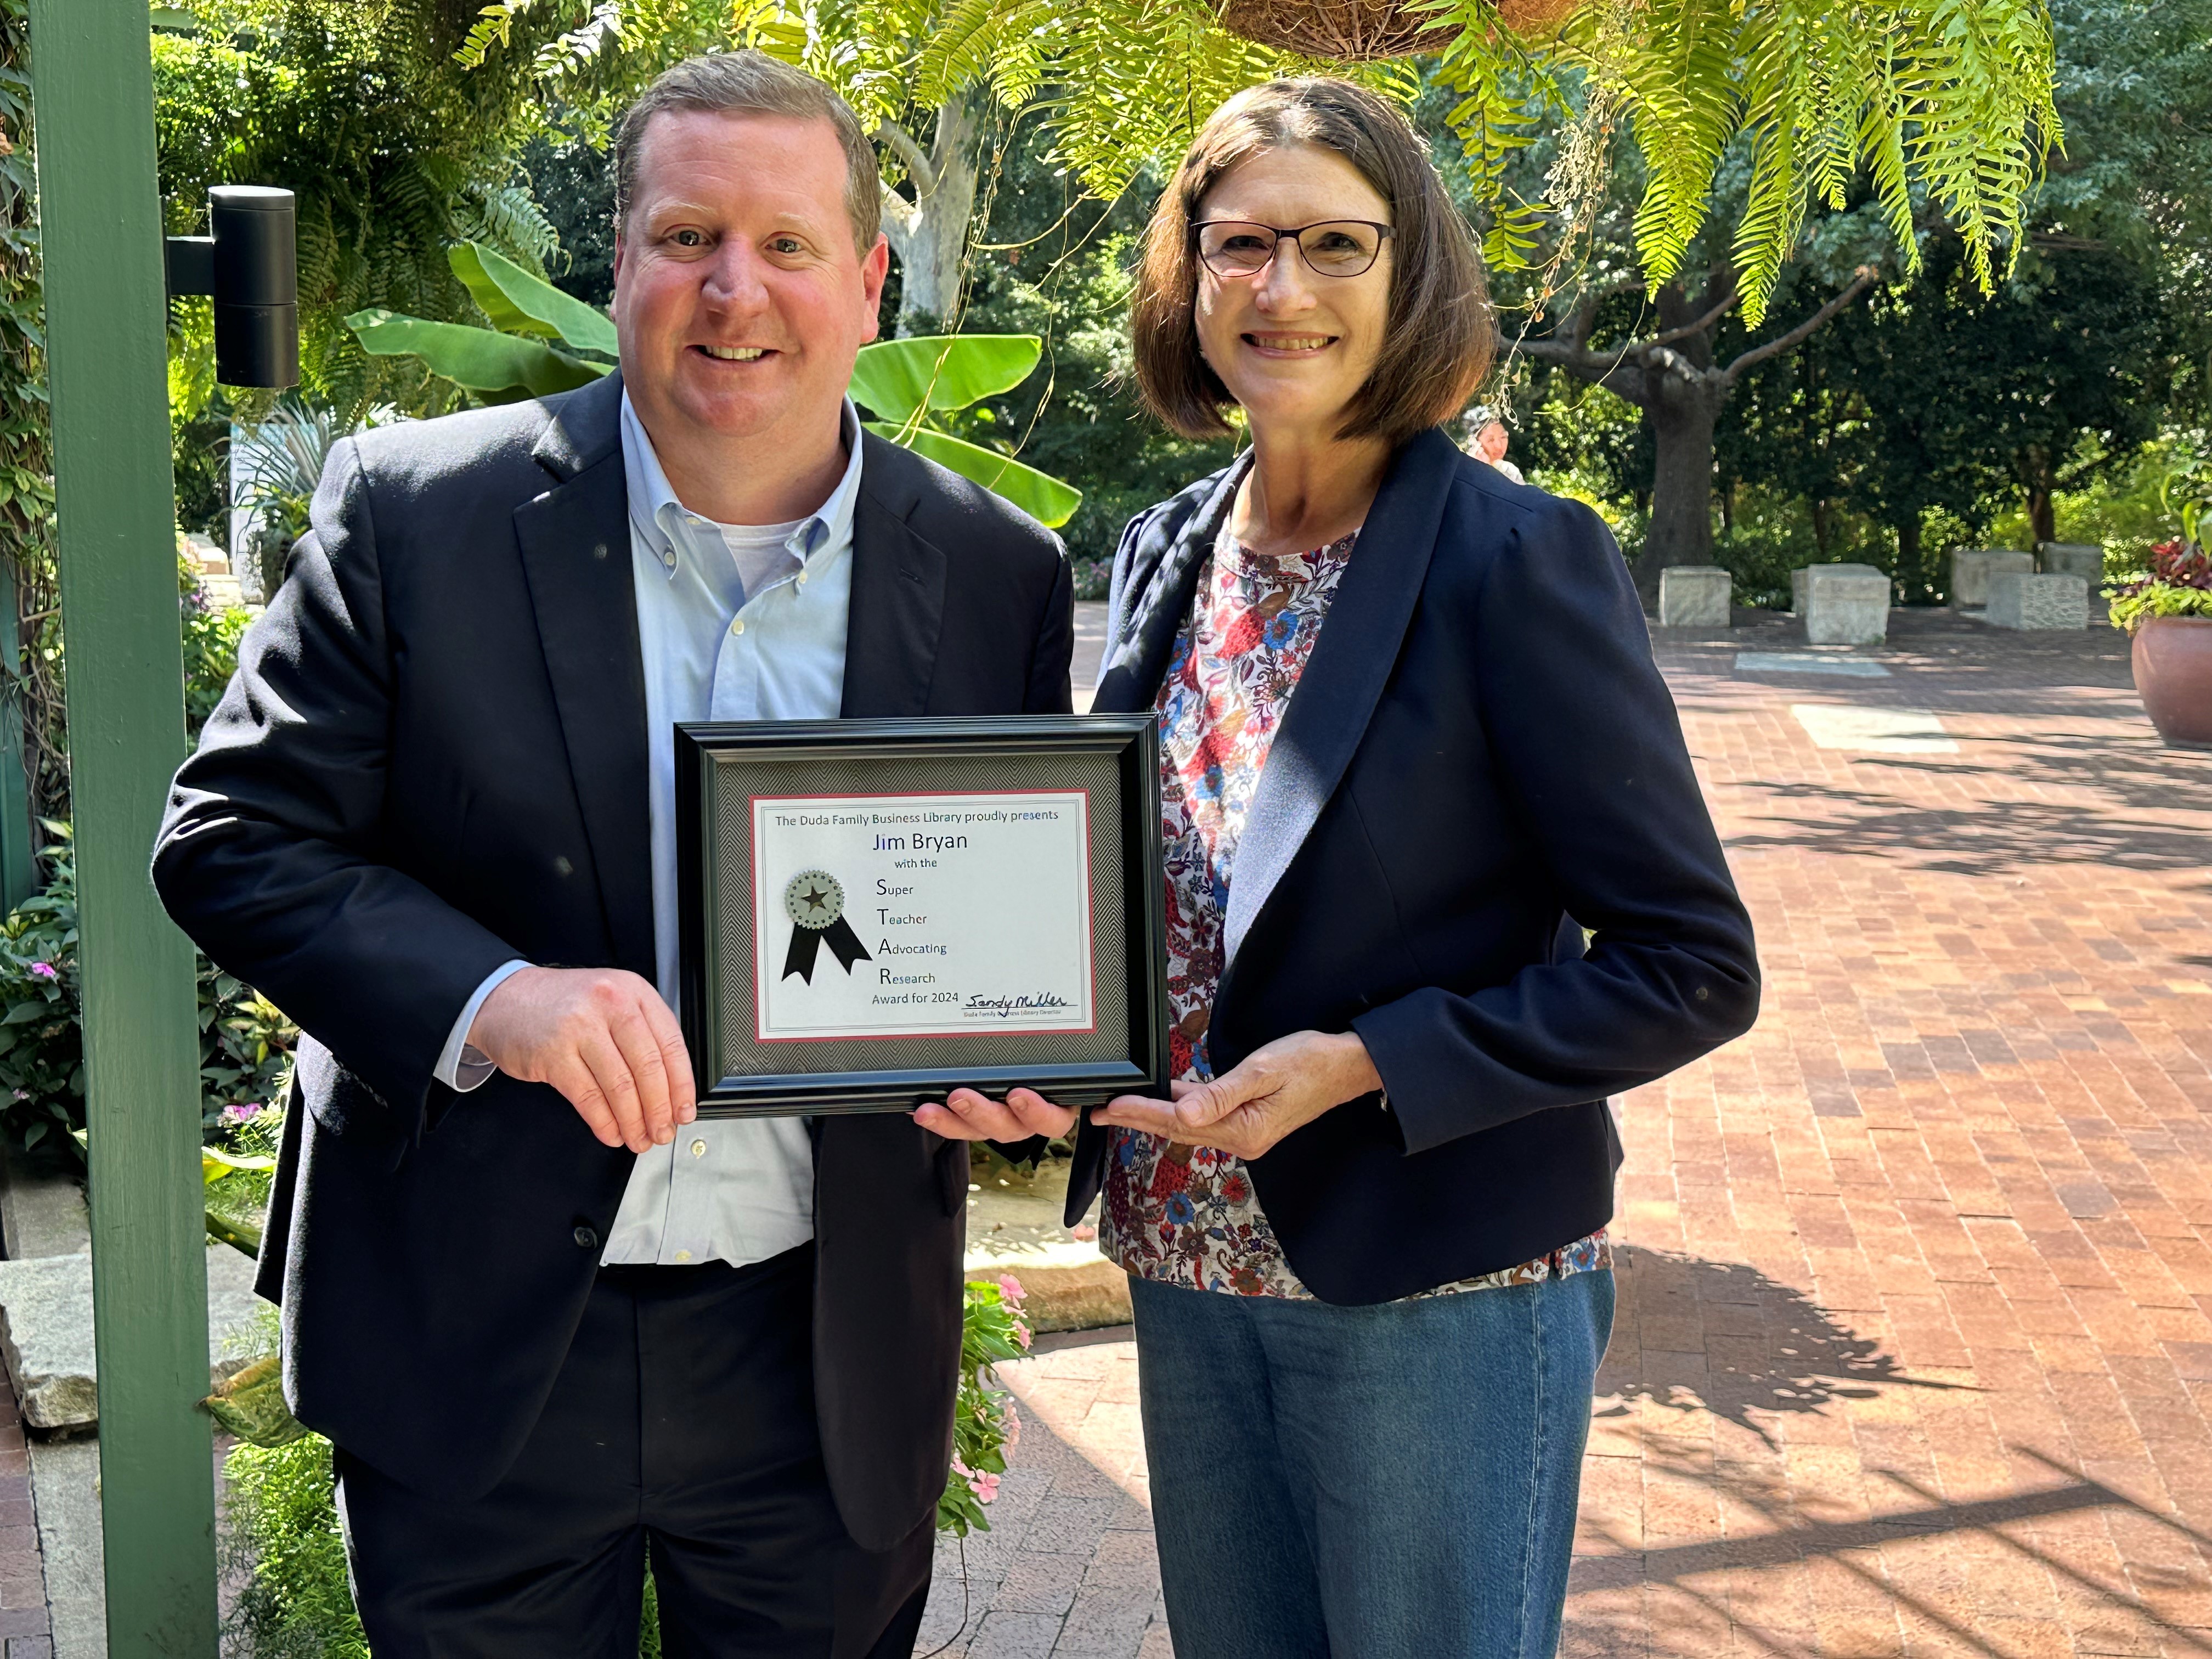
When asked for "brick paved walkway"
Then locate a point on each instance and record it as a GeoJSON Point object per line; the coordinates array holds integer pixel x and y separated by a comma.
{"type": "Point", "coordinates": [23, 1621]}
{"type": "Point", "coordinates": [1913, 1355]}
{"type": "Point", "coordinates": [1068, 1566]}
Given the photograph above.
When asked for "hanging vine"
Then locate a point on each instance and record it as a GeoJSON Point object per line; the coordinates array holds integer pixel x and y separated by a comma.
{"type": "Point", "coordinates": [31, 687]}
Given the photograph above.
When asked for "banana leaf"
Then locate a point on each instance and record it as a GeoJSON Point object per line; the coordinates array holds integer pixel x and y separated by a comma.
{"type": "Point", "coordinates": [251, 1406]}
{"type": "Point", "coordinates": [519, 303]}
{"type": "Point", "coordinates": [216, 1163]}
{"type": "Point", "coordinates": [1040, 495]}
{"type": "Point", "coordinates": [896, 378]}
{"type": "Point", "coordinates": [500, 368]}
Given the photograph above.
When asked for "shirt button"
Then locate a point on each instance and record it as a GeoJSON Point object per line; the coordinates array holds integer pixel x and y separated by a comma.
{"type": "Point", "coordinates": [802, 578]}
{"type": "Point", "coordinates": [683, 1255]}
{"type": "Point", "coordinates": [586, 1239]}
{"type": "Point", "coordinates": [698, 1149]}
{"type": "Point", "coordinates": [738, 626]}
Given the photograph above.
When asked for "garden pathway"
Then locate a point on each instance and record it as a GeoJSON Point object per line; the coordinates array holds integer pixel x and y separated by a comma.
{"type": "Point", "coordinates": [1913, 1356]}
{"type": "Point", "coordinates": [25, 1623]}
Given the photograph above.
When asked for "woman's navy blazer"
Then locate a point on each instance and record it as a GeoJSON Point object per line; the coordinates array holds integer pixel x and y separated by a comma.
{"type": "Point", "coordinates": [1479, 761]}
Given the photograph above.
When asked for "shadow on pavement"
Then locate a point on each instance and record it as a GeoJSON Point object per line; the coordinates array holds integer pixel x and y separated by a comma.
{"type": "Point", "coordinates": [1743, 1343]}
{"type": "Point", "coordinates": [1723, 1338]}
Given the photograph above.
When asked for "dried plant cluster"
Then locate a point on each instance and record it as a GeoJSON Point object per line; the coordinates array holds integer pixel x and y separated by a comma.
{"type": "Point", "coordinates": [1350, 31]}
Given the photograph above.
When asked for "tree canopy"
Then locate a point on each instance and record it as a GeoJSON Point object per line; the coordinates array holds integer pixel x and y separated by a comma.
{"type": "Point", "coordinates": [1941, 102]}
{"type": "Point", "coordinates": [395, 152]}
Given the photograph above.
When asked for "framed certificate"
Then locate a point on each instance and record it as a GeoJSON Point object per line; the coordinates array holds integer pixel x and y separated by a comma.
{"type": "Point", "coordinates": [876, 912]}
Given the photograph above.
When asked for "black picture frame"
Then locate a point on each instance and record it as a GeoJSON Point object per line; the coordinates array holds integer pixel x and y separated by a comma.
{"type": "Point", "coordinates": [713, 757]}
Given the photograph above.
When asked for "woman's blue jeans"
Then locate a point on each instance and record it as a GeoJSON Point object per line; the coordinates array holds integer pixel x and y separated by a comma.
{"type": "Point", "coordinates": [1391, 1482]}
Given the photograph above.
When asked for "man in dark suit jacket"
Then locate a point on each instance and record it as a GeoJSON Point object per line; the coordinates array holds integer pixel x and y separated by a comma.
{"type": "Point", "coordinates": [547, 1319]}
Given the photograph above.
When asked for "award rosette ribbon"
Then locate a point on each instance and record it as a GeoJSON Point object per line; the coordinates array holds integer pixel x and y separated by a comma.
{"type": "Point", "coordinates": [814, 902]}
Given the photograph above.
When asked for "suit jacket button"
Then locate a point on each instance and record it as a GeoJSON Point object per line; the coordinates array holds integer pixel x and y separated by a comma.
{"type": "Point", "coordinates": [586, 1239]}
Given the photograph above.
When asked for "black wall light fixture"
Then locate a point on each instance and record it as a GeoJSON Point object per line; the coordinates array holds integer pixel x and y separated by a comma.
{"type": "Point", "coordinates": [251, 268]}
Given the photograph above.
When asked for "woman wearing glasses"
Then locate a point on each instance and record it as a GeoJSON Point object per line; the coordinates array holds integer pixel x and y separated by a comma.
{"type": "Point", "coordinates": [1411, 745]}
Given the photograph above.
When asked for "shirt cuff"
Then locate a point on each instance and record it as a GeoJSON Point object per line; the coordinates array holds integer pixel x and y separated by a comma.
{"type": "Point", "coordinates": [461, 1066]}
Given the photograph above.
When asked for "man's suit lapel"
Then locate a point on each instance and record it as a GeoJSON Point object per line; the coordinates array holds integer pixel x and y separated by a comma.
{"type": "Point", "coordinates": [575, 546]}
{"type": "Point", "coordinates": [898, 607]}
{"type": "Point", "coordinates": [1343, 679]}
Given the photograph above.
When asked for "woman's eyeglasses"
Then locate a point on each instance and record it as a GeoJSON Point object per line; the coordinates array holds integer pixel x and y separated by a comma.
{"type": "Point", "coordinates": [1335, 247]}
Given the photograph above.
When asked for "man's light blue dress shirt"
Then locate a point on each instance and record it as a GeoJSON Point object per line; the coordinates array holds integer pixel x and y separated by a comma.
{"type": "Point", "coordinates": [736, 622]}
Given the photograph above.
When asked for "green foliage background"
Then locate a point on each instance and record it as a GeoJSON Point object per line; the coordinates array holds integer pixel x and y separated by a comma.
{"type": "Point", "coordinates": [395, 153]}
{"type": "Point", "coordinates": [245, 1042]}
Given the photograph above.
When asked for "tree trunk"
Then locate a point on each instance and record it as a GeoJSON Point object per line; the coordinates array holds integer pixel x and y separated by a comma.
{"type": "Point", "coordinates": [1682, 420]}
{"type": "Point", "coordinates": [1820, 526]}
{"type": "Point", "coordinates": [930, 234]}
{"type": "Point", "coordinates": [2042, 511]}
{"type": "Point", "coordinates": [1673, 380]}
{"type": "Point", "coordinates": [1910, 576]}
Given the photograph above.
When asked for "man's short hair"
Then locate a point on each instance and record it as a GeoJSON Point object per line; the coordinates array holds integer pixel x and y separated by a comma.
{"type": "Point", "coordinates": [1439, 338]}
{"type": "Point", "coordinates": [751, 84]}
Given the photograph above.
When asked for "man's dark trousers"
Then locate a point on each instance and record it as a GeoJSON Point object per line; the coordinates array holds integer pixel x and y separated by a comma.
{"type": "Point", "coordinates": [433, 760]}
{"type": "Point", "coordinates": [683, 1421]}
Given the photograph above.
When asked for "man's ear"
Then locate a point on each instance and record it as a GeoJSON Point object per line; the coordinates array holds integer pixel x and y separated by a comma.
{"type": "Point", "coordinates": [875, 271]}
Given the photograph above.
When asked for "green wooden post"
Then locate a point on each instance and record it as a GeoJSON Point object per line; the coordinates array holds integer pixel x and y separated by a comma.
{"type": "Point", "coordinates": [100, 231]}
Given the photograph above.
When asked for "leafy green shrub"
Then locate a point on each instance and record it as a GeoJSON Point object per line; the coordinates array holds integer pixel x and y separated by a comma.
{"type": "Point", "coordinates": [210, 639]}
{"type": "Point", "coordinates": [41, 1047]}
{"type": "Point", "coordinates": [245, 1042]}
{"type": "Point", "coordinates": [985, 1424]}
{"type": "Point", "coordinates": [284, 1522]}
{"type": "Point", "coordinates": [1760, 561]}
{"type": "Point", "coordinates": [2179, 584]}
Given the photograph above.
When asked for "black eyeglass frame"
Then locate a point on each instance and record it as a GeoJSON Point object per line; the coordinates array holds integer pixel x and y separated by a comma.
{"type": "Point", "coordinates": [1198, 245]}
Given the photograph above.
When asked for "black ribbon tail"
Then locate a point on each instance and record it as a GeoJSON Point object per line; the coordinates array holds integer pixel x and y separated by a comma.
{"type": "Point", "coordinates": [846, 945]}
{"type": "Point", "coordinates": [799, 959]}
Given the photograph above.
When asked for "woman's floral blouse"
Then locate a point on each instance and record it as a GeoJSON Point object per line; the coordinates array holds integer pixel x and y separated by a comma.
{"type": "Point", "coordinates": [1187, 1215]}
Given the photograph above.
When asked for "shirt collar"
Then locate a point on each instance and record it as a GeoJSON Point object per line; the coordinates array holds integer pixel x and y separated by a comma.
{"type": "Point", "coordinates": [652, 499]}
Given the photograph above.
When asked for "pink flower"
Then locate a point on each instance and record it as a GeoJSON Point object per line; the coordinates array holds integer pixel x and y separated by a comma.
{"type": "Point", "coordinates": [44, 970]}
{"type": "Point", "coordinates": [985, 1487]}
{"type": "Point", "coordinates": [1011, 1287]}
{"type": "Point", "coordinates": [963, 1470]}
{"type": "Point", "coordinates": [1021, 1335]}
{"type": "Point", "coordinates": [242, 1111]}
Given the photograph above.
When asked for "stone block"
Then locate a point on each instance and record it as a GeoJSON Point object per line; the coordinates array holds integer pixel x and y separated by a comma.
{"type": "Point", "coordinates": [1972, 566]}
{"type": "Point", "coordinates": [1014, 1226]}
{"type": "Point", "coordinates": [2024, 600]}
{"type": "Point", "coordinates": [46, 1334]}
{"type": "Point", "coordinates": [1695, 596]}
{"type": "Point", "coordinates": [2072, 559]}
{"type": "Point", "coordinates": [40, 1214]}
{"type": "Point", "coordinates": [65, 1479]}
{"type": "Point", "coordinates": [1845, 605]}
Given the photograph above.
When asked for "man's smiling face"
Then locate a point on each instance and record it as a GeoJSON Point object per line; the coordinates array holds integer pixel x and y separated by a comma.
{"type": "Point", "coordinates": [740, 298]}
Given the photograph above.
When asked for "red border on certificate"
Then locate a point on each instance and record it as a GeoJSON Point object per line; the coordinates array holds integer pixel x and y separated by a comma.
{"type": "Point", "coordinates": [753, 804]}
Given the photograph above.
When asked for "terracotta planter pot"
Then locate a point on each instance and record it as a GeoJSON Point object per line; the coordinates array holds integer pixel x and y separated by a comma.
{"type": "Point", "coordinates": [2173, 673]}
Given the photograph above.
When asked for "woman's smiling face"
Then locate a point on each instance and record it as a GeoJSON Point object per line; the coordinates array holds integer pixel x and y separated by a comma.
{"type": "Point", "coordinates": [1293, 346]}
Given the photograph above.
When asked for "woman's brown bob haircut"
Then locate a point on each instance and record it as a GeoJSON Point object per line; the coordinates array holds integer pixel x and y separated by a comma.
{"type": "Point", "coordinates": [1439, 339]}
